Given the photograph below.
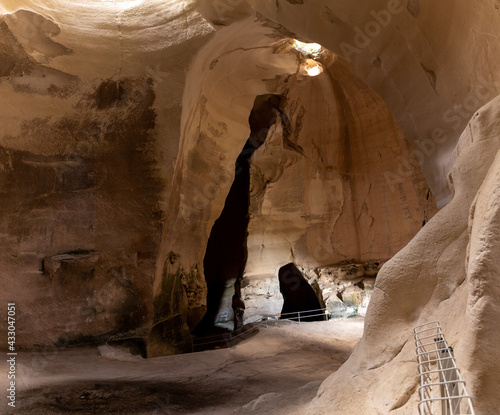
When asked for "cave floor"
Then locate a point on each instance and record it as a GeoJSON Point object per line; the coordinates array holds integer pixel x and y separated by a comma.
{"type": "Point", "coordinates": [281, 357]}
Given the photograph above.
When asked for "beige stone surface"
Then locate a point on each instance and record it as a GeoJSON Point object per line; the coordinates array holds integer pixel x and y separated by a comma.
{"type": "Point", "coordinates": [101, 380]}
{"type": "Point", "coordinates": [327, 199]}
{"type": "Point", "coordinates": [444, 288]}
{"type": "Point", "coordinates": [447, 273]}
{"type": "Point", "coordinates": [120, 122]}
{"type": "Point", "coordinates": [94, 93]}
{"type": "Point", "coordinates": [319, 192]}
{"type": "Point", "coordinates": [90, 101]}
{"type": "Point", "coordinates": [433, 63]}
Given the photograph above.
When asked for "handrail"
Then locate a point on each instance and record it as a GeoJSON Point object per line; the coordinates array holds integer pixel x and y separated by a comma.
{"type": "Point", "coordinates": [305, 314]}
{"type": "Point", "coordinates": [229, 337]}
{"type": "Point", "coordinates": [304, 311]}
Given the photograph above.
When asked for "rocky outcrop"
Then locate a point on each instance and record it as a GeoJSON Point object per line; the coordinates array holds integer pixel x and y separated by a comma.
{"type": "Point", "coordinates": [346, 288]}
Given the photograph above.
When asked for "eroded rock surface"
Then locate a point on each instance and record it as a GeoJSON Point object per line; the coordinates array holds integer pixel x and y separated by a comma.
{"type": "Point", "coordinates": [402, 50]}
{"type": "Point", "coordinates": [318, 190]}
{"type": "Point", "coordinates": [450, 272]}
{"type": "Point", "coordinates": [90, 100]}
{"type": "Point", "coordinates": [121, 123]}
{"type": "Point", "coordinates": [445, 287]}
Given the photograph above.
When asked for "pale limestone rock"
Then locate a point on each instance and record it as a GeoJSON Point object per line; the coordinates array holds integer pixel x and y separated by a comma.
{"type": "Point", "coordinates": [345, 289]}
{"type": "Point", "coordinates": [262, 297]}
{"type": "Point", "coordinates": [70, 178]}
{"type": "Point", "coordinates": [482, 313]}
{"type": "Point", "coordinates": [218, 98]}
{"type": "Point", "coordinates": [428, 61]}
{"type": "Point", "coordinates": [448, 273]}
{"type": "Point", "coordinates": [319, 191]}
{"type": "Point", "coordinates": [432, 268]}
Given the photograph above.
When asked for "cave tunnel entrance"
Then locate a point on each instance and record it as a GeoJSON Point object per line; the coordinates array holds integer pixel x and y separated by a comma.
{"type": "Point", "coordinates": [298, 295]}
{"type": "Point", "coordinates": [226, 253]}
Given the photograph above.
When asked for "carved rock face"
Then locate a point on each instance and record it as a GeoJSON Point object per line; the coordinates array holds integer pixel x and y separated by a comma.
{"type": "Point", "coordinates": [95, 152]}
{"type": "Point", "coordinates": [84, 99]}
{"type": "Point", "coordinates": [120, 126]}
{"type": "Point", "coordinates": [402, 50]}
{"type": "Point", "coordinates": [63, 206]}
{"type": "Point", "coordinates": [320, 186]}
{"type": "Point", "coordinates": [450, 271]}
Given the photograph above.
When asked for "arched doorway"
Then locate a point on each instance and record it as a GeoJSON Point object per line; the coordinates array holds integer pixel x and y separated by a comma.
{"type": "Point", "coordinates": [298, 296]}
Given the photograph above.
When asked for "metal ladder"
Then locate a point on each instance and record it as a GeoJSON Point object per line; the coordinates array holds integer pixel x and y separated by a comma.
{"type": "Point", "coordinates": [442, 389]}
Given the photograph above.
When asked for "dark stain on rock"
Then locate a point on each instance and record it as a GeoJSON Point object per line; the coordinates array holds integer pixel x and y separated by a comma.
{"type": "Point", "coordinates": [109, 94]}
{"type": "Point", "coordinates": [413, 7]}
{"type": "Point", "coordinates": [299, 123]}
{"type": "Point", "coordinates": [111, 397]}
{"type": "Point", "coordinates": [172, 257]}
{"type": "Point", "coordinates": [58, 92]}
{"type": "Point", "coordinates": [131, 313]}
{"type": "Point", "coordinates": [24, 174]}
{"type": "Point", "coordinates": [99, 166]}
{"type": "Point", "coordinates": [70, 179]}
{"type": "Point", "coordinates": [288, 143]}
{"type": "Point", "coordinates": [14, 61]}
{"type": "Point", "coordinates": [328, 15]}
{"type": "Point", "coordinates": [431, 76]}
{"type": "Point", "coordinates": [7, 64]}
{"type": "Point", "coordinates": [295, 1]}
{"type": "Point", "coordinates": [281, 31]}
{"type": "Point", "coordinates": [63, 85]}
{"type": "Point", "coordinates": [170, 332]}
{"type": "Point", "coordinates": [15, 64]}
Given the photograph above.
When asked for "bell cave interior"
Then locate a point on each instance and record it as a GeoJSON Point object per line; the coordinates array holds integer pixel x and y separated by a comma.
{"type": "Point", "coordinates": [250, 207]}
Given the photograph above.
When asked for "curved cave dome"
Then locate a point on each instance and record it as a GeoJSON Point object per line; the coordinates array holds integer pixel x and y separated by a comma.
{"type": "Point", "coordinates": [176, 170]}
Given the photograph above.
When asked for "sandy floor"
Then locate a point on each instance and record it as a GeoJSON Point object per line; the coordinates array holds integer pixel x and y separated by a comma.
{"type": "Point", "coordinates": [279, 358]}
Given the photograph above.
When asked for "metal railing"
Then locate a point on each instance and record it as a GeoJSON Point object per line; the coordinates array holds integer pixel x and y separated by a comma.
{"type": "Point", "coordinates": [230, 338]}
{"type": "Point", "coordinates": [305, 315]}
{"type": "Point", "coordinates": [226, 339]}
{"type": "Point", "coordinates": [442, 390]}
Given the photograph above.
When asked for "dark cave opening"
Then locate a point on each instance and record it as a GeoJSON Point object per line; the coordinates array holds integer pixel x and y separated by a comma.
{"type": "Point", "coordinates": [226, 253]}
{"type": "Point", "coordinates": [298, 295]}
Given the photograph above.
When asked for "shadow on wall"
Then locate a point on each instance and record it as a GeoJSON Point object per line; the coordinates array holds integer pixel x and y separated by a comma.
{"type": "Point", "coordinates": [226, 254]}
{"type": "Point", "coordinates": [298, 295]}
